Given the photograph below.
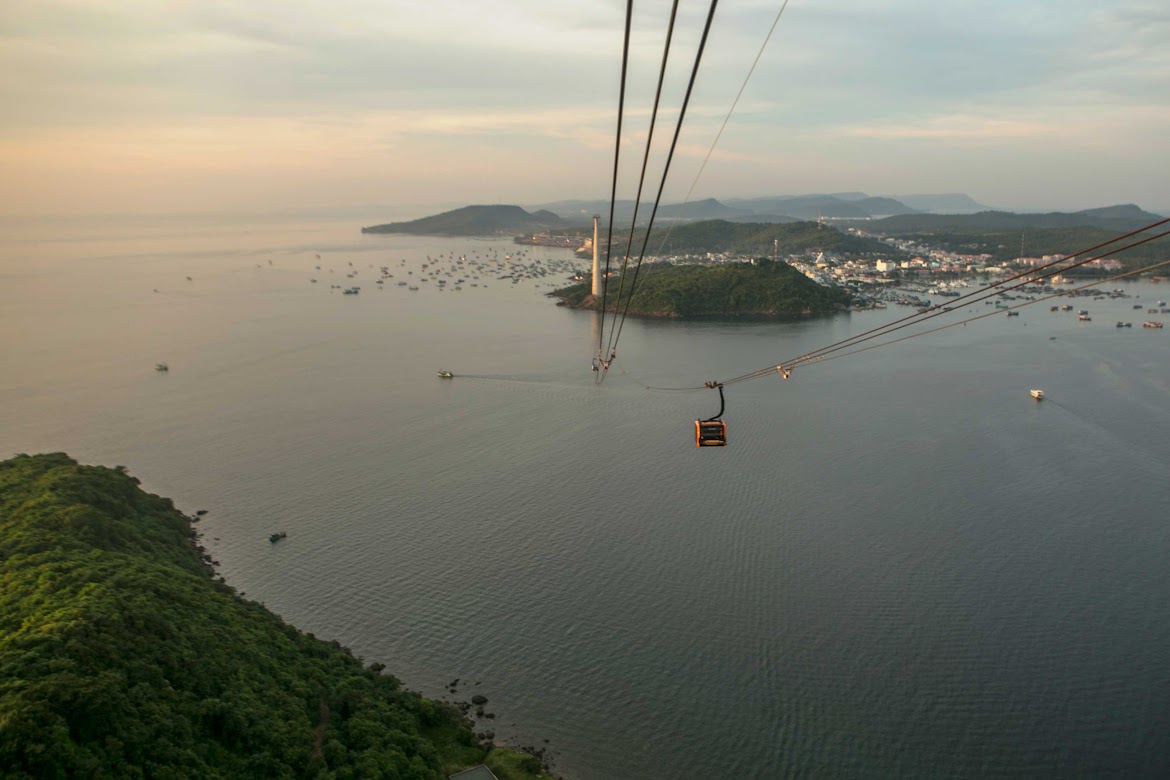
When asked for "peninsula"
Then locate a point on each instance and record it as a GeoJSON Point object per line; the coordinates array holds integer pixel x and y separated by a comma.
{"type": "Point", "coordinates": [474, 221]}
{"type": "Point", "coordinates": [761, 289]}
{"type": "Point", "coordinates": [123, 655]}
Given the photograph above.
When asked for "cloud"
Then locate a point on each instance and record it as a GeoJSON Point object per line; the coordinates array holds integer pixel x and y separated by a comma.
{"type": "Point", "coordinates": [314, 85]}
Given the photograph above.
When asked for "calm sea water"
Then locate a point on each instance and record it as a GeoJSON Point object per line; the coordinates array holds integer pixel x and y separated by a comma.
{"type": "Point", "coordinates": [902, 565]}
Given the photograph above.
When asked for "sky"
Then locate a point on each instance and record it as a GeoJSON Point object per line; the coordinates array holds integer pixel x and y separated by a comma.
{"type": "Point", "coordinates": [168, 106]}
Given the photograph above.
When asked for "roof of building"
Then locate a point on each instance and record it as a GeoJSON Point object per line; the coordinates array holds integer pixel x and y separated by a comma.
{"type": "Point", "coordinates": [480, 772]}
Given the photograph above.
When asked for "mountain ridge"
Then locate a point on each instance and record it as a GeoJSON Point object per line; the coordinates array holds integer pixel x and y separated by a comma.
{"type": "Point", "coordinates": [474, 221]}
{"type": "Point", "coordinates": [1122, 218]}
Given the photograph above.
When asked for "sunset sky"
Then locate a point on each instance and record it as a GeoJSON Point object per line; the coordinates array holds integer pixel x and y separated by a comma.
{"type": "Point", "coordinates": [134, 106]}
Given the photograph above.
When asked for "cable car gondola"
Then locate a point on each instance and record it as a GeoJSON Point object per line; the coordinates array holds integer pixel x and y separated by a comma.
{"type": "Point", "coordinates": [712, 432]}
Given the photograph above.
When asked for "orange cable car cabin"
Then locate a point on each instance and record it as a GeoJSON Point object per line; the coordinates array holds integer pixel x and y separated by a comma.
{"type": "Point", "coordinates": [710, 433]}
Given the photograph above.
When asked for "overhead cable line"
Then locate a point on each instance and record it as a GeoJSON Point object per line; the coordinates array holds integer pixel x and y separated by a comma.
{"type": "Point", "coordinates": [1027, 277]}
{"type": "Point", "coordinates": [984, 292]}
{"type": "Point", "coordinates": [641, 182]}
{"type": "Point", "coordinates": [787, 366]}
{"type": "Point", "coordinates": [981, 294]}
{"type": "Point", "coordinates": [615, 337]}
{"type": "Point", "coordinates": [726, 119]}
{"type": "Point", "coordinates": [1010, 308]}
{"type": "Point", "coordinates": [616, 155]}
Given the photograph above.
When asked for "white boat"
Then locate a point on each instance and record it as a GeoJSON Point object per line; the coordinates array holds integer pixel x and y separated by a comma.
{"type": "Point", "coordinates": [1037, 394]}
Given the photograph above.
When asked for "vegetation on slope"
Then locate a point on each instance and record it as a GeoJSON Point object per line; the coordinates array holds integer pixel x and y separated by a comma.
{"type": "Point", "coordinates": [122, 656]}
{"type": "Point", "coordinates": [761, 239]}
{"type": "Point", "coordinates": [1116, 218]}
{"type": "Point", "coordinates": [764, 289]}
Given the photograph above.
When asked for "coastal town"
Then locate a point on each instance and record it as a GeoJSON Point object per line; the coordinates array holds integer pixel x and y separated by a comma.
{"type": "Point", "coordinates": [912, 274]}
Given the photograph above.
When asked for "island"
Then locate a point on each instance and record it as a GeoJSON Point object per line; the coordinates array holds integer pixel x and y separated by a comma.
{"type": "Point", "coordinates": [474, 221]}
{"type": "Point", "coordinates": [760, 289]}
{"type": "Point", "coordinates": [122, 654]}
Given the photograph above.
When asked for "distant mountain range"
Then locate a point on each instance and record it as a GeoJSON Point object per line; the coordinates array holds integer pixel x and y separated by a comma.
{"type": "Point", "coordinates": [943, 203]}
{"type": "Point", "coordinates": [1122, 218]}
{"type": "Point", "coordinates": [884, 215]}
{"type": "Point", "coordinates": [778, 208]}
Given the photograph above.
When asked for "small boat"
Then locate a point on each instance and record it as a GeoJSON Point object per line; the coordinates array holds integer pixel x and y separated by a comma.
{"type": "Point", "coordinates": [1037, 394]}
{"type": "Point", "coordinates": [445, 374]}
{"type": "Point", "coordinates": [276, 537]}
{"type": "Point", "coordinates": [351, 291]}
{"type": "Point", "coordinates": [1084, 318]}
{"type": "Point", "coordinates": [1013, 314]}
{"type": "Point", "coordinates": [1151, 324]}
{"type": "Point", "coordinates": [161, 367]}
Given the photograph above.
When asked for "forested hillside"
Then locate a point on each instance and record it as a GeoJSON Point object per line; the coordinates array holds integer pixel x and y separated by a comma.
{"type": "Point", "coordinates": [1121, 219]}
{"type": "Point", "coordinates": [122, 656]}
{"type": "Point", "coordinates": [761, 239]}
{"type": "Point", "coordinates": [765, 289]}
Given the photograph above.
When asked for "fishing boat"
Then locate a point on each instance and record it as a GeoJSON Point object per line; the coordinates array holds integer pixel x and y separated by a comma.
{"type": "Point", "coordinates": [276, 537]}
{"type": "Point", "coordinates": [1037, 394]}
{"type": "Point", "coordinates": [1151, 324]}
{"type": "Point", "coordinates": [161, 367]}
{"type": "Point", "coordinates": [445, 374]}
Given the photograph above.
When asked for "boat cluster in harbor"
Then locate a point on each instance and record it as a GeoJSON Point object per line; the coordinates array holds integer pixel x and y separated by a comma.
{"type": "Point", "coordinates": [1011, 302]}
{"type": "Point", "coordinates": [456, 272]}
